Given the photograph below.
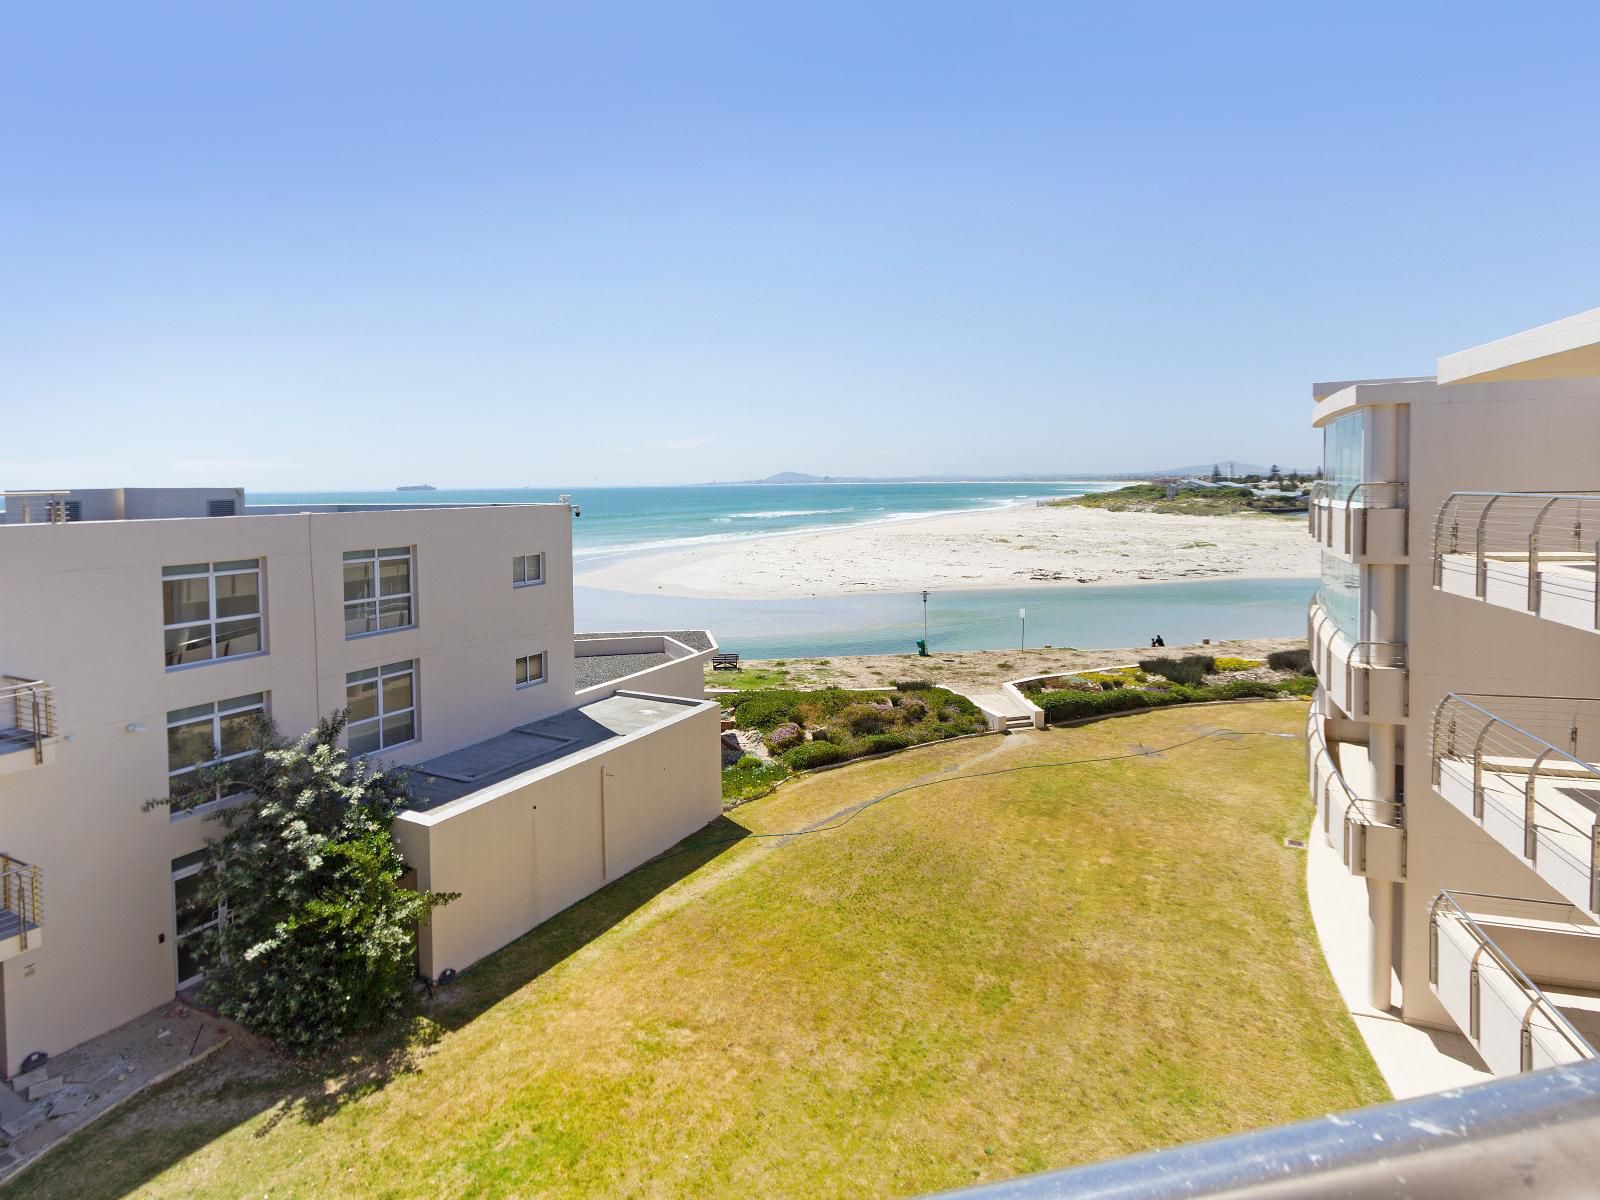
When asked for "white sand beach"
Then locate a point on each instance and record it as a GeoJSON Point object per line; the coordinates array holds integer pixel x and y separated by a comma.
{"type": "Point", "coordinates": [998, 548]}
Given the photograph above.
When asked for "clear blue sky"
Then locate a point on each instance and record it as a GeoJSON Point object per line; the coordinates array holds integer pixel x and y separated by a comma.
{"type": "Point", "coordinates": [580, 244]}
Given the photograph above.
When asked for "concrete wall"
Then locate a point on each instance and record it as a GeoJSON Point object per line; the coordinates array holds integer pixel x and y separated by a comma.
{"type": "Point", "coordinates": [81, 607]}
{"type": "Point", "coordinates": [683, 676]}
{"type": "Point", "coordinates": [522, 851]}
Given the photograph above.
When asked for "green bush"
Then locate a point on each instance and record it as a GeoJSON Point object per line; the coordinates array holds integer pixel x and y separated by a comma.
{"type": "Point", "coordinates": [868, 718]}
{"type": "Point", "coordinates": [751, 777]}
{"type": "Point", "coordinates": [1237, 664]}
{"type": "Point", "coordinates": [912, 685]}
{"type": "Point", "coordinates": [747, 761]}
{"type": "Point", "coordinates": [1071, 706]}
{"type": "Point", "coordinates": [814, 754]}
{"type": "Point", "coordinates": [1298, 659]}
{"type": "Point", "coordinates": [765, 710]}
{"type": "Point", "coordinates": [883, 743]}
{"type": "Point", "coordinates": [1191, 669]}
{"type": "Point", "coordinates": [785, 737]}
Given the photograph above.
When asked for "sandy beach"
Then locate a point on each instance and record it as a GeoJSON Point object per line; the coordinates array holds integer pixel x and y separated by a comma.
{"type": "Point", "coordinates": [997, 548]}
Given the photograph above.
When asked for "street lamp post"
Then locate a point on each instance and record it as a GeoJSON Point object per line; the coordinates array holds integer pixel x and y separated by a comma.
{"type": "Point", "coordinates": [924, 617]}
{"type": "Point", "coordinates": [1022, 615]}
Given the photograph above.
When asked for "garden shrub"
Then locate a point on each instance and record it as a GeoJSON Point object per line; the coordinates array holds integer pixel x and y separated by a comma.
{"type": "Point", "coordinates": [912, 685]}
{"type": "Point", "coordinates": [746, 761]}
{"type": "Point", "coordinates": [785, 737]}
{"type": "Point", "coordinates": [1191, 669]}
{"type": "Point", "coordinates": [882, 743]}
{"type": "Point", "coordinates": [868, 718]}
{"type": "Point", "coordinates": [814, 754]}
{"type": "Point", "coordinates": [913, 709]}
{"type": "Point", "coordinates": [1071, 706]}
{"type": "Point", "coordinates": [765, 710]}
{"type": "Point", "coordinates": [1226, 663]}
{"type": "Point", "coordinates": [1298, 659]}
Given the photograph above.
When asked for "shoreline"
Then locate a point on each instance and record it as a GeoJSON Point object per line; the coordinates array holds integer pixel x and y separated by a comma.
{"type": "Point", "coordinates": [1020, 546]}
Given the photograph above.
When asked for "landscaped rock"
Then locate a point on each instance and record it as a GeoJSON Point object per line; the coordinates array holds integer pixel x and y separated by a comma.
{"type": "Point", "coordinates": [45, 1087]}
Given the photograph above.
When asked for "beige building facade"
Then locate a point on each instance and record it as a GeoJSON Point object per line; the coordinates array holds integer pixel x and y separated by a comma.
{"type": "Point", "coordinates": [1451, 743]}
{"type": "Point", "coordinates": [142, 630]}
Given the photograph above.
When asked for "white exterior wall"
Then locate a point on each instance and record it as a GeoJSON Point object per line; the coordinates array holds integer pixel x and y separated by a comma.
{"type": "Point", "coordinates": [81, 608]}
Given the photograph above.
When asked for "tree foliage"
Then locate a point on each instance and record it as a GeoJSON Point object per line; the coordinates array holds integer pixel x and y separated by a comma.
{"type": "Point", "coordinates": [318, 936]}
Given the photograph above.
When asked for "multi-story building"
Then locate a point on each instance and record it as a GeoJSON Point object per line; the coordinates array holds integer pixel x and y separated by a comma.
{"type": "Point", "coordinates": [141, 631]}
{"type": "Point", "coordinates": [1456, 637]}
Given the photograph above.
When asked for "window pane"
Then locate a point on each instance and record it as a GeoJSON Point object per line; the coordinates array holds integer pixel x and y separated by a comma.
{"type": "Point", "coordinates": [396, 692]}
{"type": "Point", "coordinates": [535, 668]}
{"type": "Point", "coordinates": [398, 729]}
{"type": "Point", "coordinates": [363, 739]}
{"type": "Point", "coordinates": [185, 569]}
{"type": "Point", "coordinates": [535, 568]}
{"type": "Point", "coordinates": [522, 671]}
{"type": "Point", "coordinates": [181, 787]}
{"type": "Point", "coordinates": [190, 911]}
{"type": "Point", "coordinates": [185, 600]}
{"type": "Point", "coordinates": [238, 595]}
{"type": "Point", "coordinates": [519, 566]}
{"type": "Point", "coordinates": [394, 614]}
{"type": "Point", "coordinates": [190, 644]}
{"type": "Point", "coordinates": [362, 700]}
{"type": "Point", "coordinates": [358, 580]}
{"type": "Point", "coordinates": [238, 637]}
{"type": "Point", "coordinates": [238, 731]}
{"type": "Point", "coordinates": [360, 618]}
{"type": "Point", "coordinates": [394, 576]}
{"type": "Point", "coordinates": [188, 962]}
{"type": "Point", "coordinates": [188, 745]}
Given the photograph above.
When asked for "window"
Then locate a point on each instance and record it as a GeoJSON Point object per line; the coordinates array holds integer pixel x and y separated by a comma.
{"type": "Point", "coordinates": [377, 591]}
{"type": "Point", "coordinates": [211, 610]}
{"type": "Point", "coordinates": [191, 917]}
{"type": "Point", "coordinates": [527, 569]}
{"type": "Point", "coordinates": [382, 704]}
{"type": "Point", "coordinates": [530, 670]}
{"type": "Point", "coordinates": [207, 734]}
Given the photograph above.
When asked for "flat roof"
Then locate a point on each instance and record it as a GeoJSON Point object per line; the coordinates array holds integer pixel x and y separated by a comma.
{"type": "Point", "coordinates": [1564, 349]}
{"type": "Point", "coordinates": [524, 748]}
{"type": "Point", "coordinates": [695, 639]}
{"type": "Point", "coordinates": [592, 670]}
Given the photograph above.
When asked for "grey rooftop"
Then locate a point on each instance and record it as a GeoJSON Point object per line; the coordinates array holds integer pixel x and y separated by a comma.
{"type": "Point", "coordinates": [449, 777]}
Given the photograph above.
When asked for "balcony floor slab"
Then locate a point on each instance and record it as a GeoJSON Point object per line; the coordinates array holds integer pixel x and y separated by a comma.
{"type": "Point", "coordinates": [1414, 1060]}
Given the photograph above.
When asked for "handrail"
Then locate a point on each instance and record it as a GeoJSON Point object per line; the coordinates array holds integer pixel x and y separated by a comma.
{"type": "Point", "coordinates": [20, 893]}
{"type": "Point", "coordinates": [1522, 527]}
{"type": "Point", "coordinates": [1534, 1133]}
{"type": "Point", "coordinates": [32, 709]}
{"type": "Point", "coordinates": [1380, 494]}
{"type": "Point", "coordinates": [1536, 998]}
{"type": "Point", "coordinates": [1364, 653]}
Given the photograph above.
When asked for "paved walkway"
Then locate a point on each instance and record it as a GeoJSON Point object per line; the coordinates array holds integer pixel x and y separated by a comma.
{"type": "Point", "coordinates": [1414, 1060]}
{"type": "Point", "coordinates": [41, 1109]}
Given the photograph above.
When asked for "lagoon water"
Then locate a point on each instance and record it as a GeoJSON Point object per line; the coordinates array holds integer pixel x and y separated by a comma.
{"type": "Point", "coordinates": [632, 520]}
{"type": "Point", "coordinates": [1090, 617]}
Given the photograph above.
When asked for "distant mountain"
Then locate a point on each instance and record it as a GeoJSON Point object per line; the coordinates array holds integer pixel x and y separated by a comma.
{"type": "Point", "coordinates": [1231, 467]}
{"type": "Point", "coordinates": [1204, 470]}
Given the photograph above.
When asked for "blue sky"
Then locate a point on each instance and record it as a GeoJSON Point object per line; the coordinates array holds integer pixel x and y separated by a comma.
{"type": "Point", "coordinates": [300, 245]}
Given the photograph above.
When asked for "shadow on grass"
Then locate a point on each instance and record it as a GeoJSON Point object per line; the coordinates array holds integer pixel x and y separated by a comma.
{"type": "Point", "coordinates": [158, 1130]}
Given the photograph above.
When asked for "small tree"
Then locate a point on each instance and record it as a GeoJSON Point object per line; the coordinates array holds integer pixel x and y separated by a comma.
{"type": "Point", "coordinates": [1216, 472]}
{"type": "Point", "coordinates": [1273, 474]}
{"type": "Point", "coordinates": [317, 939]}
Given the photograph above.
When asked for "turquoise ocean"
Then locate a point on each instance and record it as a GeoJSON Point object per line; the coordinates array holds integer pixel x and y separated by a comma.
{"type": "Point", "coordinates": [638, 520]}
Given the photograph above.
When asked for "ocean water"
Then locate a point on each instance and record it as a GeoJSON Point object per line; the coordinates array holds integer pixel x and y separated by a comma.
{"type": "Point", "coordinates": [620, 520]}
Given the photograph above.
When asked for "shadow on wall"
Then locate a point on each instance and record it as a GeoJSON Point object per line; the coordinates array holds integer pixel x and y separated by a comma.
{"type": "Point", "coordinates": [249, 1077]}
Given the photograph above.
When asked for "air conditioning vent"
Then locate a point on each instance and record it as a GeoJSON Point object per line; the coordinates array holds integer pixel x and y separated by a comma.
{"type": "Point", "coordinates": [220, 508]}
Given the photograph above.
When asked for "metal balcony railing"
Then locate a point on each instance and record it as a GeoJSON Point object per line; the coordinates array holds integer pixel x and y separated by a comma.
{"type": "Point", "coordinates": [1348, 509]}
{"type": "Point", "coordinates": [1532, 1135]}
{"type": "Point", "coordinates": [1553, 536]}
{"type": "Point", "coordinates": [1520, 766]}
{"type": "Point", "coordinates": [1500, 1000]}
{"type": "Point", "coordinates": [27, 714]}
{"type": "Point", "coordinates": [20, 896]}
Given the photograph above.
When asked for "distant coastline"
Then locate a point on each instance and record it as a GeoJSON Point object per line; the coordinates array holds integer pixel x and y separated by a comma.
{"type": "Point", "coordinates": [416, 487]}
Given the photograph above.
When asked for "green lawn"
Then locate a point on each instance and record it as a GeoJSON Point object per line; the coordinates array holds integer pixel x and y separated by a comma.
{"type": "Point", "coordinates": [965, 981]}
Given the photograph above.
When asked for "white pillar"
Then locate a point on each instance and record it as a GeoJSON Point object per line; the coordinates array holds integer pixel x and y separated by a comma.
{"type": "Point", "coordinates": [1380, 959]}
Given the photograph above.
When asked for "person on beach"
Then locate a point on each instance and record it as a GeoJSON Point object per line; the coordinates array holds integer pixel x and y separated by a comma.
{"type": "Point", "coordinates": [1158, 640]}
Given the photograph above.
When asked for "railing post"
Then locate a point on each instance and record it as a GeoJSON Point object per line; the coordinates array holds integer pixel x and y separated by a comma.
{"type": "Point", "coordinates": [1482, 581]}
{"type": "Point", "coordinates": [1530, 824]}
{"type": "Point", "coordinates": [1594, 867]}
{"type": "Point", "coordinates": [1534, 589]}
{"type": "Point", "coordinates": [1472, 998]}
{"type": "Point", "coordinates": [1477, 771]}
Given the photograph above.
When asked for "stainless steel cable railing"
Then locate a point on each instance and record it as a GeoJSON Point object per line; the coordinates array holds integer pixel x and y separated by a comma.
{"type": "Point", "coordinates": [1545, 542]}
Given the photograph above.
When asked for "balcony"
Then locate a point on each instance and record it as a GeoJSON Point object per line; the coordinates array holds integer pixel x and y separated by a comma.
{"type": "Point", "coordinates": [1475, 945]}
{"type": "Point", "coordinates": [1519, 768]}
{"type": "Point", "coordinates": [1370, 834]}
{"type": "Point", "coordinates": [20, 913]}
{"type": "Point", "coordinates": [1364, 522]}
{"type": "Point", "coordinates": [1531, 552]}
{"type": "Point", "coordinates": [1366, 680]}
{"type": "Point", "coordinates": [27, 723]}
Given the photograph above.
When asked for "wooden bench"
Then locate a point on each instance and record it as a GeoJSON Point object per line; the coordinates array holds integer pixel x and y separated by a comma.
{"type": "Point", "coordinates": [724, 662]}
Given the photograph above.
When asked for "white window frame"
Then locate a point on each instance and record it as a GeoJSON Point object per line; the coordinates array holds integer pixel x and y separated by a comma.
{"type": "Point", "coordinates": [221, 915]}
{"type": "Point", "coordinates": [377, 558]}
{"type": "Point", "coordinates": [519, 570]}
{"type": "Point", "coordinates": [211, 572]}
{"type": "Point", "coordinates": [379, 674]}
{"type": "Point", "coordinates": [256, 702]}
{"type": "Point", "coordinates": [523, 673]}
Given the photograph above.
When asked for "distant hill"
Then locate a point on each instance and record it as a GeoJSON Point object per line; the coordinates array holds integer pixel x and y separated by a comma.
{"type": "Point", "coordinates": [1204, 471]}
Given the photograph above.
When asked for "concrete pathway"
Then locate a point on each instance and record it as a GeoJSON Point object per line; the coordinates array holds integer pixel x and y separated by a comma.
{"type": "Point", "coordinates": [1414, 1060]}
{"type": "Point", "coordinates": [43, 1108]}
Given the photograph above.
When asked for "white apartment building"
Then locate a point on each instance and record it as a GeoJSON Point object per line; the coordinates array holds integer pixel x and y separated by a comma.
{"type": "Point", "coordinates": [142, 629]}
{"type": "Point", "coordinates": [1456, 637]}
